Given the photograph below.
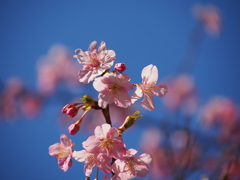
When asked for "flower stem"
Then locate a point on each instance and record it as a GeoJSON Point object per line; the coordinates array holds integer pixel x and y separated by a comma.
{"type": "Point", "coordinates": [107, 115]}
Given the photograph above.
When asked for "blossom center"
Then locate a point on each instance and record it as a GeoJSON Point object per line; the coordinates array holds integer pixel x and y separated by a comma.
{"type": "Point", "coordinates": [148, 88]}
{"type": "Point", "coordinates": [131, 165]}
{"type": "Point", "coordinates": [63, 152]}
{"type": "Point", "coordinates": [114, 88]}
{"type": "Point", "coordinates": [91, 160]}
{"type": "Point", "coordinates": [95, 63]}
{"type": "Point", "coordinates": [107, 143]}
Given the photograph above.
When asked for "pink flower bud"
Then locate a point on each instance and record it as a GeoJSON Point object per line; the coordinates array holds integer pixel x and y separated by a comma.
{"type": "Point", "coordinates": [72, 111]}
{"type": "Point", "coordinates": [73, 129]}
{"type": "Point", "coordinates": [120, 67]}
{"type": "Point", "coordinates": [65, 108]}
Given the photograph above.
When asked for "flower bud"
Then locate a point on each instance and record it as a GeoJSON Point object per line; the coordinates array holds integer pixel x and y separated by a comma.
{"type": "Point", "coordinates": [120, 67]}
{"type": "Point", "coordinates": [73, 128]}
{"type": "Point", "coordinates": [72, 111]}
{"type": "Point", "coordinates": [129, 121]}
{"type": "Point", "coordinates": [65, 108]}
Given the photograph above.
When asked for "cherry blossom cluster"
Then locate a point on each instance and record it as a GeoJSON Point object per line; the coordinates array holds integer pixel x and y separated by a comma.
{"type": "Point", "coordinates": [106, 149]}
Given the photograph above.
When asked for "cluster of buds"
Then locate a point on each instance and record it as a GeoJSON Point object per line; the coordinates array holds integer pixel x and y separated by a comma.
{"type": "Point", "coordinates": [107, 143]}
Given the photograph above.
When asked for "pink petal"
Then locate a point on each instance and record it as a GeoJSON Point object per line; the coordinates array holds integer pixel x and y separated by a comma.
{"type": "Point", "coordinates": [64, 163]}
{"type": "Point", "coordinates": [144, 158]}
{"type": "Point", "coordinates": [85, 76]}
{"type": "Point", "coordinates": [103, 162]}
{"type": "Point", "coordinates": [147, 102]}
{"type": "Point", "coordinates": [54, 149]}
{"type": "Point", "coordinates": [91, 144]}
{"type": "Point", "coordinates": [112, 133]}
{"type": "Point", "coordinates": [99, 85]}
{"type": "Point", "coordinates": [106, 128]}
{"type": "Point", "coordinates": [119, 149]}
{"type": "Point", "coordinates": [106, 178]}
{"type": "Point", "coordinates": [122, 99]}
{"type": "Point", "coordinates": [80, 155]}
{"type": "Point", "coordinates": [65, 140]}
{"type": "Point", "coordinates": [88, 168]}
{"type": "Point", "coordinates": [99, 132]}
{"type": "Point", "coordinates": [142, 171]}
{"type": "Point", "coordinates": [160, 90]}
{"type": "Point", "coordinates": [80, 52]}
{"type": "Point", "coordinates": [149, 74]}
{"type": "Point", "coordinates": [124, 81]}
{"type": "Point", "coordinates": [118, 166]}
{"type": "Point", "coordinates": [92, 46]}
{"type": "Point", "coordinates": [137, 94]}
{"type": "Point", "coordinates": [102, 46]}
{"type": "Point", "coordinates": [131, 152]}
{"type": "Point", "coordinates": [105, 99]}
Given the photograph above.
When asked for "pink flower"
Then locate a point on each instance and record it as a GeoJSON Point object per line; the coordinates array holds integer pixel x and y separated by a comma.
{"type": "Point", "coordinates": [149, 88]}
{"type": "Point", "coordinates": [63, 152]}
{"type": "Point", "coordinates": [120, 67]}
{"type": "Point", "coordinates": [95, 61]}
{"type": "Point", "coordinates": [102, 161]}
{"type": "Point", "coordinates": [131, 165]}
{"type": "Point", "coordinates": [113, 88]}
{"type": "Point", "coordinates": [106, 140]}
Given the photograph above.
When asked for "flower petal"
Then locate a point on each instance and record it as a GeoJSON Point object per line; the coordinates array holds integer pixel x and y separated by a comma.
{"type": "Point", "coordinates": [105, 98]}
{"type": "Point", "coordinates": [92, 46]}
{"type": "Point", "coordinates": [54, 149]}
{"type": "Point", "coordinates": [137, 94]}
{"type": "Point", "coordinates": [80, 155]}
{"type": "Point", "coordinates": [122, 99]}
{"type": "Point", "coordinates": [147, 102]}
{"type": "Point", "coordinates": [145, 158]}
{"type": "Point", "coordinates": [65, 140]}
{"type": "Point", "coordinates": [160, 90]}
{"type": "Point", "coordinates": [149, 74]}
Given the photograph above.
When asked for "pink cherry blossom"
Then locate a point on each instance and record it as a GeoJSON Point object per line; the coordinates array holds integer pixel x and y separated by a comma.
{"type": "Point", "coordinates": [63, 152]}
{"type": "Point", "coordinates": [113, 88]}
{"type": "Point", "coordinates": [131, 165]}
{"type": "Point", "coordinates": [102, 161]}
{"type": "Point", "coordinates": [95, 61]}
{"type": "Point", "coordinates": [148, 88]}
{"type": "Point", "coordinates": [106, 140]}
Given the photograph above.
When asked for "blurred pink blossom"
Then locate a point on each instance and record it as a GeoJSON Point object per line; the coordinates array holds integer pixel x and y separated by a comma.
{"type": "Point", "coordinates": [56, 67]}
{"type": "Point", "coordinates": [182, 93]}
{"type": "Point", "coordinates": [210, 17]}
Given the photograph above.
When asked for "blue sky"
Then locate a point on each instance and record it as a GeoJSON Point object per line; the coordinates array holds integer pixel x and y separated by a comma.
{"type": "Point", "coordinates": [141, 32]}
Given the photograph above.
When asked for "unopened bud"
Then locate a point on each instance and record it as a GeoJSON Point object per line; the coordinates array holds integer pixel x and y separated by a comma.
{"type": "Point", "coordinates": [72, 111]}
{"type": "Point", "coordinates": [65, 108]}
{"type": "Point", "coordinates": [120, 67]}
{"type": "Point", "coordinates": [73, 129]}
{"type": "Point", "coordinates": [129, 121]}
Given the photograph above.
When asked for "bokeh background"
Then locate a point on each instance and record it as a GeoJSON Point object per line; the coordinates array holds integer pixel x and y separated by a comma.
{"type": "Point", "coordinates": [141, 32]}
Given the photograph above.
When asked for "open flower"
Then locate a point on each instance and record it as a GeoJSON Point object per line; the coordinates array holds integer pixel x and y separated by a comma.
{"type": "Point", "coordinates": [102, 161]}
{"type": "Point", "coordinates": [95, 61]}
{"type": "Point", "coordinates": [113, 88]}
{"type": "Point", "coordinates": [148, 88]}
{"type": "Point", "coordinates": [63, 152]}
{"type": "Point", "coordinates": [106, 140]}
{"type": "Point", "coordinates": [131, 165]}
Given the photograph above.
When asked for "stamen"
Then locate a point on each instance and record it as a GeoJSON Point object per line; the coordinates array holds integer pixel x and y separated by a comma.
{"type": "Point", "coordinates": [63, 152]}
{"type": "Point", "coordinates": [107, 143]}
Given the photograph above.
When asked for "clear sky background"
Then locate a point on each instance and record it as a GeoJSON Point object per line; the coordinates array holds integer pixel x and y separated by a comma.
{"type": "Point", "coordinates": [141, 32]}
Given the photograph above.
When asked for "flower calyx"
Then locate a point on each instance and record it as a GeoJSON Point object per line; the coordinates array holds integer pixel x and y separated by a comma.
{"type": "Point", "coordinates": [129, 121]}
